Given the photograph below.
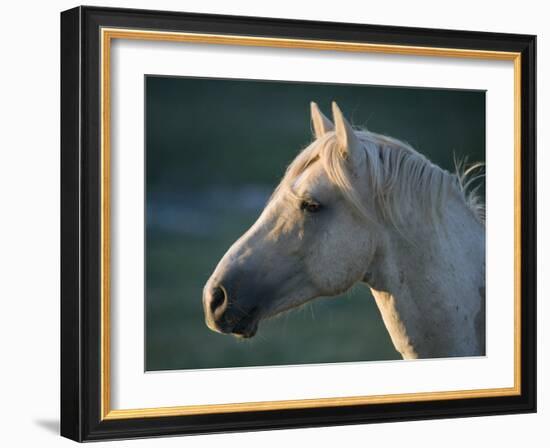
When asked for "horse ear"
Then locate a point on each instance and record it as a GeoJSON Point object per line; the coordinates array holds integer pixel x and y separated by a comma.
{"type": "Point", "coordinates": [349, 143]}
{"type": "Point", "coordinates": [321, 124]}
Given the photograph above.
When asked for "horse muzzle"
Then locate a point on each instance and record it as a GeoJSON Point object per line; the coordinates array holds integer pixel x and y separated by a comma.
{"type": "Point", "coordinates": [225, 316]}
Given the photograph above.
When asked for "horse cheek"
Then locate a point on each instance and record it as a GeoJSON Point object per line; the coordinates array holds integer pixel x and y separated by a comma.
{"type": "Point", "coordinates": [328, 264]}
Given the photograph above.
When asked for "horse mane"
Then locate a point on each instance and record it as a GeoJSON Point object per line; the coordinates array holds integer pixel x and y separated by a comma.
{"type": "Point", "coordinates": [400, 177]}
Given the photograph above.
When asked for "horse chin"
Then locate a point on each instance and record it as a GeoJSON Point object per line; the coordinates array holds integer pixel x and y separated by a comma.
{"type": "Point", "coordinates": [246, 331]}
{"type": "Point", "coordinates": [247, 326]}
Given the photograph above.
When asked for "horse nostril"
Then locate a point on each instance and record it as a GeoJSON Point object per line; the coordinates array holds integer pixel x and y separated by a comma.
{"type": "Point", "coordinates": [217, 298]}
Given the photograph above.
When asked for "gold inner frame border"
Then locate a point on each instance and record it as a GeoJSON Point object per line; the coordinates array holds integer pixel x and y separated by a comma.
{"type": "Point", "coordinates": [107, 35]}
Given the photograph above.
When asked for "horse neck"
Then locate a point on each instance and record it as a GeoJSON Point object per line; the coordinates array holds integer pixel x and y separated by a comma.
{"type": "Point", "coordinates": [430, 286]}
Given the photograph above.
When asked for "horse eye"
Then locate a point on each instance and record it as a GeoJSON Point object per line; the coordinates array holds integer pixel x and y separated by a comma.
{"type": "Point", "coordinates": [310, 206]}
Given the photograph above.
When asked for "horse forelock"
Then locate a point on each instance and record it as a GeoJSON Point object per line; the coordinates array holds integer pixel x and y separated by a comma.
{"type": "Point", "coordinates": [398, 175]}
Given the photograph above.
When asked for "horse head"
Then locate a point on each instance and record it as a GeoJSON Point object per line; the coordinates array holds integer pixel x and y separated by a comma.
{"type": "Point", "coordinates": [310, 240]}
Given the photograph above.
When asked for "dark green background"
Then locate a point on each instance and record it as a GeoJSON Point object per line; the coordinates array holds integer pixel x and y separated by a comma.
{"type": "Point", "coordinates": [215, 149]}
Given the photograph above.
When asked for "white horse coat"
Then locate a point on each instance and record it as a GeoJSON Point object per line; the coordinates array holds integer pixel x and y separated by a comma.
{"type": "Point", "coordinates": [356, 206]}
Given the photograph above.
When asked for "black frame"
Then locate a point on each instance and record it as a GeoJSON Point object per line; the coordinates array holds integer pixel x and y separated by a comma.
{"type": "Point", "coordinates": [80, 224]}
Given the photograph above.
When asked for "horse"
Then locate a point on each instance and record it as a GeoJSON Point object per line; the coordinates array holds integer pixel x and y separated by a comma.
{"type": "Point", "coordinates": [360, 207]}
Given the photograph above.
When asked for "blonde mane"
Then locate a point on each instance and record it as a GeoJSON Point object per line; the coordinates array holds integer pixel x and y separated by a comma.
{"type": "Point", "coordinates": [399, 176]}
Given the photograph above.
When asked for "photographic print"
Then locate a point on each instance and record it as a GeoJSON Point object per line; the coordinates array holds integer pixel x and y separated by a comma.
{"type": "Point", "coordinates": [251, 202]}
{"type": "Point", "coordinates": [305, 223]}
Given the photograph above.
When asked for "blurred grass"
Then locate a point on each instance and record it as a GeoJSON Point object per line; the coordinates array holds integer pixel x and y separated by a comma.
{"type": "Point", "coordinates": [207, 139]}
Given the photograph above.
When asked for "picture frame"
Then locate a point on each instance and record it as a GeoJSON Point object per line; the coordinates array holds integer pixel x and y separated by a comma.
{"type": "Point", "coordinates": [86, 37]}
